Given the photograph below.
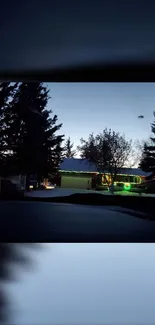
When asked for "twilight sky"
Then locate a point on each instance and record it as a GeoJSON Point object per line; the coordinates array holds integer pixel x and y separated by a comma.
{"type": "Point", "coordinates": [89, 107]}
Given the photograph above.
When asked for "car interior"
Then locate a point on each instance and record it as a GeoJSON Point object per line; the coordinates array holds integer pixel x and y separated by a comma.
{"type": "Point", "coordinates": [72, 41]}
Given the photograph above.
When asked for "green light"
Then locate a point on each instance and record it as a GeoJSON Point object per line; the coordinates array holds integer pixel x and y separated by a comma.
{"type": "Point", "coordinates": [127, 186]}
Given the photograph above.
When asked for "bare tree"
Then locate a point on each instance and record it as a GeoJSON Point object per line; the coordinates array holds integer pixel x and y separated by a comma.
{"type": "Point", "coordinates": [136, 153]}
{"type": "Point", "coordinates": [69, 153]}
{"type": "Point", "coordinates": [108, 151]}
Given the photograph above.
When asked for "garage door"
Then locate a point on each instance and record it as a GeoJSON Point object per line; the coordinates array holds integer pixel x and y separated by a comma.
{"type": "Point", "coordinates": [75, 182]}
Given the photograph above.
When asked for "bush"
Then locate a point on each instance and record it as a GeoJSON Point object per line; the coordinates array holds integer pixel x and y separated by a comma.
{"type": "Point", "coordinates": [10, 190]}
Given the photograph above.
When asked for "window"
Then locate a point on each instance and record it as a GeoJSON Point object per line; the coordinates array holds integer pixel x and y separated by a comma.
{"type": "Point", "coordinates": [119, 178]}
{"type": "Point", "coordinates": [103, 179]}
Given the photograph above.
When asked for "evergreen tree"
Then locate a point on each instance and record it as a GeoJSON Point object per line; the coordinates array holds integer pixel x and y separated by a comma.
{"type": "Point", "coordinates": [69, 153]}
{"type": "Point", "coordinates": [7, 91]}
{"type": "Point", "coordinates": [147, 162]}
{"type": "Point", "coordinates": [36, 148]}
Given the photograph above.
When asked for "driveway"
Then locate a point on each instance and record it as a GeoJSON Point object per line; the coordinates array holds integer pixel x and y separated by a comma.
{"type": "Point", "coordinates": [68, 191]}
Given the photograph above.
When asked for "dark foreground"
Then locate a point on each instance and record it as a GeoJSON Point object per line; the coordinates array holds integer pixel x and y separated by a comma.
{"type": "Point", "coordinates": [31, 221]}
{"type": "Point", "coordinates": [143, 204]}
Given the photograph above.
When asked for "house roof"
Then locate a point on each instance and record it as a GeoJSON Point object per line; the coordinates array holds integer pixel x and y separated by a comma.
{"type": "Point", "coordinates": [77, 165]}
{"type": "Point", "coordinates": [134, 171]}
{"type": "Point", "coordinates": [83, 165]}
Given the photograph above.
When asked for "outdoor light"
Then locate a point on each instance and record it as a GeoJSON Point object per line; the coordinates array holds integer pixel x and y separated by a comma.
{"type": "Point", "coordinates": [127, 186]}
{"type": "Point", "coordinates": [49, 187]}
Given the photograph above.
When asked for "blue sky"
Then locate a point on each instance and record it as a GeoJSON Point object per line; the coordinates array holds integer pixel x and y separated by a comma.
{"type": "Point", "coordinates": [90, 107]}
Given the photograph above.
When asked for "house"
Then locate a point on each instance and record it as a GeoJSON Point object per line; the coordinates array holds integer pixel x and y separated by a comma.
{"type": "Point", "coordinates": [80, 173]}
{"type": "Point", "coordinates": [148, 186]}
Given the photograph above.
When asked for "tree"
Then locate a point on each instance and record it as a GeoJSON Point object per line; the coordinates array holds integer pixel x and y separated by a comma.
{"type": "Point", "coordinates": [147, 162]}
{"type": "Point", "coordinates": [135, 154]}
{"type": "Point", "coordinates": [108, 151]}
{"type": "Point", "coordinates": [12, 255]}
{"type": "Point", "coordinates": [69, 153]}
{"type": "Point", "coordinates": [7, 90]}
{"type": "Point", "coordinates": [31, 132]}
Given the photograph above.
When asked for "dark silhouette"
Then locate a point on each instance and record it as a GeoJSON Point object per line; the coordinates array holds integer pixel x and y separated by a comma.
{"type": "Point", "coordinates": [147, 162]}
{"type": "Point", "coordinates": [69, 152]}
{"type": "Point", "coordinates": [28, 140]}
{"type": "Point", "coordinates": [11, 256]}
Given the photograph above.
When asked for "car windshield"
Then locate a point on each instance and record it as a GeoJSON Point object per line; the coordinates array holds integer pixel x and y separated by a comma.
{"type": "Point", "coordinates": [77, 138]}
{"type": "Point", "coordinates": [77, 163]}
{"type": "Point", "coordinates": [91, 143]}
